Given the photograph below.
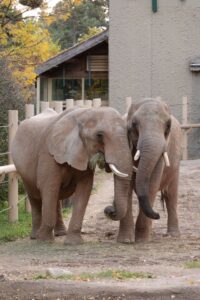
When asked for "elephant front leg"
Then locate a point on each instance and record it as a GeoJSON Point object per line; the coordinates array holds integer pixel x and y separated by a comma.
{"type": "Point", "coordinates": [49, 212]}
{"type": "Point", "coordinates": [126, 227]}
{"type": "Point", "coordinates": [60, 226]}
{"type": "Point", "coordinates": [143, 226]}
{"type": "Point", "coordinates": [80, 200]}
{"type": "Point", "coordinates": [171, 196]}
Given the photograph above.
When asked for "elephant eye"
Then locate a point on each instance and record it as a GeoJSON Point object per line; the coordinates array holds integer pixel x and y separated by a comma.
{"type": "Point", "coordinates": [167, 127]}
{"type": "Point", "coordinates": [100, 135]}
{"type": "Point", "coordinates": [135, 127]}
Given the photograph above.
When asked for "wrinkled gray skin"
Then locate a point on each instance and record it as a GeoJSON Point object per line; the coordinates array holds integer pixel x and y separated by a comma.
{"type": "Point", "coordinates": [152, 130]}
{"type": "Point", "coordinates": [51, 152]}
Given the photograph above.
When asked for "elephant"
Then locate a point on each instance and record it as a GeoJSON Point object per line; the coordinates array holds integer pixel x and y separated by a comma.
{"type": "Point", "coordinates": [52, 154]}
{"type": "Point", "coordinates": [155, 141]}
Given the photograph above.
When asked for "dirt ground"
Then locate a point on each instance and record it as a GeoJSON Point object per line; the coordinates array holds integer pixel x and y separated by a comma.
{"type": "Point", "coordinates": [164, 257]}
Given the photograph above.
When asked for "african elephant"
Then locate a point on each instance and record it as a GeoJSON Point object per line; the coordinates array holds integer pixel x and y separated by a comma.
{"type": "Point", "coordinates": [155, 141]}
{"type": "Point", "coordinates": [52, 152]}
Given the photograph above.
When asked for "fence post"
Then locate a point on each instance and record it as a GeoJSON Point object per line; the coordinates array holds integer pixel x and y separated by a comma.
{"type": "Point", "coordinates": [88, 103]}
{"type": "Point", "coordinates": [79, 103]}
{"type": "Point", "coordinates": [97, 102]}
{"type": "Point", "coordinates": [69, 103]}
{"type": "Point", "coordinates": [58, 106]}
{"type": "Point", "coordinates": [12, 177]}
{"type": "Point", "coordinates": [185, 121]}
{"type": "Point", "coordinates": [29, 113]}
{"type": "Point", "coordinates": [128, 103]}
{"type": "Point", "coordinates": [44, 105]}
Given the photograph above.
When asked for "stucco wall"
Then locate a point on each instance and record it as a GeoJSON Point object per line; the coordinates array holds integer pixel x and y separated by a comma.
{"type": "Point", "coordinates": [150, 55]}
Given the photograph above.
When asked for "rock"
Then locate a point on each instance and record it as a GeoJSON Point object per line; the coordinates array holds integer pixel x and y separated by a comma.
{"type": "Point", "coordinates": [3, 277]}
{"type": "Point", "coordinates": [57, 272]}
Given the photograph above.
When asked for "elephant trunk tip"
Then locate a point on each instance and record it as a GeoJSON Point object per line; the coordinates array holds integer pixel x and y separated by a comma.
{"type": "Point", "coordinates": [147, 209]}
{"type": "Point", "coordinates": [111, 213]}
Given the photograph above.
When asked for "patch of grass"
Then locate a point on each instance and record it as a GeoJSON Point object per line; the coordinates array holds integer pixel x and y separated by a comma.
{"type": "Point", "coordinates": [109, 274]}
{"type": "Point", "coordinates": [19, 229]}
{"type": "Point", "coordinates": [194, 264]}
{"type": "Point", "coordinates": [66, 212]}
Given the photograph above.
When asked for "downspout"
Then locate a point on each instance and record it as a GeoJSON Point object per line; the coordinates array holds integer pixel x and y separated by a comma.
{"type": "Point", "coordinates": [154, 6]}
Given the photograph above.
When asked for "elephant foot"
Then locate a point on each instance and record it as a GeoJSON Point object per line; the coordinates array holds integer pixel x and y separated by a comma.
{"type": "Point", "coordinates": [125, 237]}
{"type": "Point", "coordinates": [33, 235]}
{"type": "Point", "coordinates": [44, 235]}
{"type": "Point", "coordinates": [73, 239]}
{"type": "Point", "coordinates": [141, 237]}
{"type": "Point", "coordinates": [60, 231]}
{"type": "Point", "coordinates": [172, 233]}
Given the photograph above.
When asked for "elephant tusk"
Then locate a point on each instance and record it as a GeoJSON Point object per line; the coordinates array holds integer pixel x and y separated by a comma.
{"type": "Point", "coordinates": [137, 155]}
{"type": "Point", "coordinates": [166, 159]}
{"type": "Point", "coordinates": [135, 169]}
{"type": "Point", "coordinates": [117, 172]}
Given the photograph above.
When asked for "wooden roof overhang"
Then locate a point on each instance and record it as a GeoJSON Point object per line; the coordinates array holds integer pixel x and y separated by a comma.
{"type": "Point", "coordinates": [71, 53]}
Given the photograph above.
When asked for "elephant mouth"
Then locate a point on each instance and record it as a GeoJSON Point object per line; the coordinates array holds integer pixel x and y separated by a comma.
{"type": "Point", "coordinates": [99, 160]}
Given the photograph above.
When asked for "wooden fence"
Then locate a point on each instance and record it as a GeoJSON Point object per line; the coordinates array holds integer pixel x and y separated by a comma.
{"type": "Point", "coordinates": [59, 106]}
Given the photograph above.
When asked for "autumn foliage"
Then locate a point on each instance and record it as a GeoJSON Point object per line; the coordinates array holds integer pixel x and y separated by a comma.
{"type": "Point", "coordinates": [24, 44]}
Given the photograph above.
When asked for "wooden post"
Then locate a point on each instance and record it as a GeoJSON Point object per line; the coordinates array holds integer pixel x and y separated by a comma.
{"type": "Point", "coordinates": [83, 88]}
{"type": "Point", "coordinates": [29, 113]}
{"type": "Point", "coordinates": [38, 96]}
{"type": "Point", "coordinates": [12, 177]}
{"type": "Point", "coordinates": [49, 89]}
{"type": "Point", "coordinates": [69, 103]}
{"type": "Point", "coordinates": [184, 122]}
{"type": "Point", "coordinates": [79, 103]}
{"type": "Point", "coordinates": [58, 106]}
{"type": "Point", "coordinates": [97, 102]}
{"type": "Point", "coordinates": [88, 103]}
{"type": "Point", "coordinates": [128, 103]}
{"type": "Point", "coordinates": [44, 105]}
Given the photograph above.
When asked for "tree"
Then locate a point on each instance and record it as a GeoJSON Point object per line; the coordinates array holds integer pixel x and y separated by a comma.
{"type": "Point", "coordinates": [82, 18]}
{"type": "Point", "coordinates": [24, 44]}
{"type": "Point", "coordinates": [10, 98]}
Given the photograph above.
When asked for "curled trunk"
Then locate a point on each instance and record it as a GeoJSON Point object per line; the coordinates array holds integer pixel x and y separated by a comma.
{"type": "Point", "coordinates": [119, 208]}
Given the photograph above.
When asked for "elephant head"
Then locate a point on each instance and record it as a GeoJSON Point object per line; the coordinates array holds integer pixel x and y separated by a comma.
{"type": "Point", "coordinates": [82, 133]}
{"type": "Point", "coordinates": [149, 124]}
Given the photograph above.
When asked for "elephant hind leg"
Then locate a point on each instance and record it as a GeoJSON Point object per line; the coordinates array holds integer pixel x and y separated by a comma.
{"type": "Point", "coordinates": [36, 210]}
{"type": "Point", "coordinates": [80, 200]}
{"type": "Point", "coordinates": [59, 229]}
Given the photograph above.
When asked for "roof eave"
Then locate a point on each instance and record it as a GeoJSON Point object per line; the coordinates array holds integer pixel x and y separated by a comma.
{"type": "Point", "coordinates": [72, 52]}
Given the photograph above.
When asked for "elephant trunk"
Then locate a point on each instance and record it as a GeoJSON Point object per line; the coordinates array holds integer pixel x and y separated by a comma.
{"type": "Point", "coordinates": [150, 153]}
{"type": "Point", "coordinates": [119, 208]}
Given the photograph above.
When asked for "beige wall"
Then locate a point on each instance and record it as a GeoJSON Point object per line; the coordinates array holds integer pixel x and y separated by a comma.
{"type": "Point", "coordinates": [150, 52]}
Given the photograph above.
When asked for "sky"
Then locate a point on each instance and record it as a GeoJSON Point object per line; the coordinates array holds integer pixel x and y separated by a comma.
{"type": "Point", "coordinates": [34, 12]}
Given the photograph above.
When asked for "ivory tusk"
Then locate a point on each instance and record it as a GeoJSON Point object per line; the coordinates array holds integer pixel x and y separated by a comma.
{"type": "Point", "coordinates": [135, 169]}
{"type": "Point", "coordinates": [117, 172]}
{"type": "Point", "coordinates": [166, 159]}
{"type": "Point", "coordinates": [137, 155]}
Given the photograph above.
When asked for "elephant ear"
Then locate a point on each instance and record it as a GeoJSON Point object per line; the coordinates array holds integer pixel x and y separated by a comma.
{"type": "Point", "coordinates": [65, 143]}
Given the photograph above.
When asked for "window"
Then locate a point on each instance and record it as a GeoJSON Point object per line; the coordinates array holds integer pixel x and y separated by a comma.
{"type": "Point", "coordinates": [63, 89]}
{"type": "Point", "coordinates": [97, 63]}
{"type": "Point", "coordinates": [96, 88]}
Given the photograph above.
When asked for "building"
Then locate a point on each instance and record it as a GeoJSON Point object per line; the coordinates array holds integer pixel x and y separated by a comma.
{"type": "Point", "coordinates": [80, 72]}
{"type": "Point", "coordinates": [153, 51]}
